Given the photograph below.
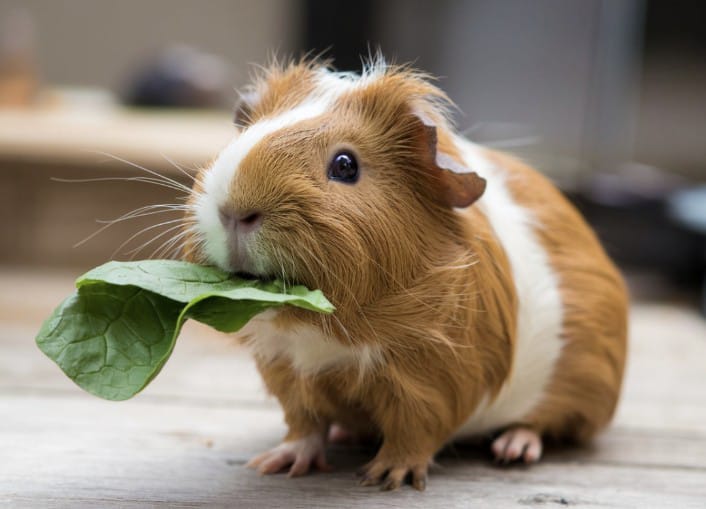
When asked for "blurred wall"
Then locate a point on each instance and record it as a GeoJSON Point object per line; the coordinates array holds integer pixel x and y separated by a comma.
{"type": "Point", "coordinates": [97, 42]}
{"type": "Point", "coordinates": [671, 127]}
{"type": "Point", "coordinates": [564, 73]}
{"type": "Point", "coordinates": [567, 75]}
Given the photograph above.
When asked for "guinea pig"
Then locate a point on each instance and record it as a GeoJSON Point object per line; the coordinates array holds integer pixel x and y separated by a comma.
{"type": "Point", "coordinates": [472, 300]}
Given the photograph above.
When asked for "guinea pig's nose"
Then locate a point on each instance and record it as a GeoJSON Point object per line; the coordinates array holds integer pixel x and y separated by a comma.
{"type": "Point", "coordinates": [240, 221]}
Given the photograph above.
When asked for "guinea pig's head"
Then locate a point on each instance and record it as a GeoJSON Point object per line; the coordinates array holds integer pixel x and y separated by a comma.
{"type": "Point", "coordinates": [334, 181]}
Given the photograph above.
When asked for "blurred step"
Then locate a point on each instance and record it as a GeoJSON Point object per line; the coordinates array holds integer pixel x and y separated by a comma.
{"type": "Point", "coordinates": [43, 218]}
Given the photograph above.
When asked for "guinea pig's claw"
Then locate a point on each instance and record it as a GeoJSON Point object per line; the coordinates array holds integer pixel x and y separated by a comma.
{"type": "Point", "coordinates": [391, 484]}
{"type": "Point", "coordinates": [419, 483]}
{"type": "Point", "coordinates": [299, 455]}
{"type": "Point", "coordinates": [369, 481]}
{"type": "Point", "coordinates": [391, 477]}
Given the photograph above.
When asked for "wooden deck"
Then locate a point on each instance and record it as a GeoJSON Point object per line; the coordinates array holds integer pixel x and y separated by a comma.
{"type": "Point", "coordinates": [184, 441]}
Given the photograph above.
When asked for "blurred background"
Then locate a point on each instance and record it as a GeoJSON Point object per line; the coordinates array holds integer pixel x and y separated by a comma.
{"type": "Point", "coordinates": [606, 97]}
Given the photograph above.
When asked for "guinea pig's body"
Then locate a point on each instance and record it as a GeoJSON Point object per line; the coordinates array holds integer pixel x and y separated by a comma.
{"type": "Point", "coordinates": [471, 297]}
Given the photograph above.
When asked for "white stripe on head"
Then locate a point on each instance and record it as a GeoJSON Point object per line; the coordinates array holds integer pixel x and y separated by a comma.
{"type": "Point", "coordinates": [218, 180]}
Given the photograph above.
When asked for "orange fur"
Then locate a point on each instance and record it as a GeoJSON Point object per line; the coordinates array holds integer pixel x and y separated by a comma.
{"type": "Point", "coordinates": [584, 391]}
{"type": "Point", "coordinates": [431, 288]}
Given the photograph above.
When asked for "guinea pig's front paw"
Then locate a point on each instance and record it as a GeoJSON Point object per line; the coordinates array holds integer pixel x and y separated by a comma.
{"type": "Point", "coordinates": [299, 455]}
{"type": "Point", "coordinates": [391, 474]}
{"type": "Point", "coordinates": [517, 443]}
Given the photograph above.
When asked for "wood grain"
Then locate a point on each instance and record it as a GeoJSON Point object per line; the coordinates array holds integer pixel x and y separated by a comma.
{"type": "Point", "coordinates": [183, 442]}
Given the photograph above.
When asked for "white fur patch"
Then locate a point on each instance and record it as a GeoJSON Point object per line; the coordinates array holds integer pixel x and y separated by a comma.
{"type": "Point", "coordinates": [540, 313]}
{"type": "Point", "coordinates": [218, 179]}
{"type": "Point", "coordinates": [306, 347]}
{"type": "Point", "coordinates": [225, 168]}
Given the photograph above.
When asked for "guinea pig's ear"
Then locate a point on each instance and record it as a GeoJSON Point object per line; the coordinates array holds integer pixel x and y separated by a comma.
{"type": "Point", "coordinates": [244, 107]}
{"type": "Point", "coordinates": [459, 186]}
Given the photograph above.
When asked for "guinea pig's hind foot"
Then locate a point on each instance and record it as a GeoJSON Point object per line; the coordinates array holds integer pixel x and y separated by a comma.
{"type": "Point", "coordinates": [517, 443]}
{"type": "Point", "coordinates": [298, 455]}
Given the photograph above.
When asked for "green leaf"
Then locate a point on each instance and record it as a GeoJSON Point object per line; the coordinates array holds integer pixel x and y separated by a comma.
{"type": "Point", "coordinates": [116, 332]}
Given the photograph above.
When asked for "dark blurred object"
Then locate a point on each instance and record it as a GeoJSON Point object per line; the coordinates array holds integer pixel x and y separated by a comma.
{"type": "Point", "coordinates": [342, 30]}
{"type": "Point", "coordinates": [671, 125]}
{"type": "Point", "coordinates": [648, 219]}
{"type": "Point", "coordinates": [18, 73]}
{"type": "Point", "coordinates": [627, 210]}
{"type": "Point", "coordinates": [687, 208]}
{"type": "Point", "coordinates": [676, 24]}
{"type": "Point", "coordinates": [180, 77]}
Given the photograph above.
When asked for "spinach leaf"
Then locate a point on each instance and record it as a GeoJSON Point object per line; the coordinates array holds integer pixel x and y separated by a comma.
{"type": "Point", "coordinates": [115, 333]}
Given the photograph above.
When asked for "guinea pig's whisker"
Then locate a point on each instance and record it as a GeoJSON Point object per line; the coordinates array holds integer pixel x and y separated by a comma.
{"type": "Point", "coordinates": [159, 234]}
{"type": "Point", "coordinates": [196, 243]}
{"type": "Point", "coordinates": [148, 210]}
{"type": "Point", "coordinates": [179, 248]}
{"type": "Point", "coordinates": [163, 178]}
{"type": "Point", "coordinates": [166, 251]}
{"type": "Point", "coordinates": [144, 180]}
{"type": "Point", "coordinates": [281, 270]}
{"type": "Point", "coordinates": [170, 243]}
{"type": "Point", "coordinates": [128, 215]}
{"type": "Point", "coordinates": [149, 228]}
{"type": "Point", "coordinates": [139, 248]}
{"type": "Point", "coordinates": [171, 161]}
{"type": "Point", "coordinates": [153, 178]}
{"type": "Point", "coordinates": [159, 251]}
{"type": "Point", "coordinates": [194, 248]}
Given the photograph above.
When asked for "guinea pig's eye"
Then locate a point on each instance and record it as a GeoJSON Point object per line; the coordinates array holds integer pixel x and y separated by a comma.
{"type": "Point", "coordinates": [343, 168]}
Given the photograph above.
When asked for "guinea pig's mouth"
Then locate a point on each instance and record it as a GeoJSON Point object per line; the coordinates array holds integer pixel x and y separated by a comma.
{"type": "Point", "coordinates": [249, 275]}
{"type": "Point", "coordinates": [265, 278]}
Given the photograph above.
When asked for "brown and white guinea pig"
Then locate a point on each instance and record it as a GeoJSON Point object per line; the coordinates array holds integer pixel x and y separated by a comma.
{"type": "Point", "coordinates": [471, 298]}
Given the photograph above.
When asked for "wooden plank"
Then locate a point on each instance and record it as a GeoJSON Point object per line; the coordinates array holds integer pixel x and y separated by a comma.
{"type": "Point", "coordinates": [184, 441]}
{"type": "Point", "coordinates": [86, 451]}
{"type": "Point", "coordinates": [665, 382]}
{"type": "Point", "coordinates": [72, 137]}
{"type": "Point", "coordinates": [205, 367]}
